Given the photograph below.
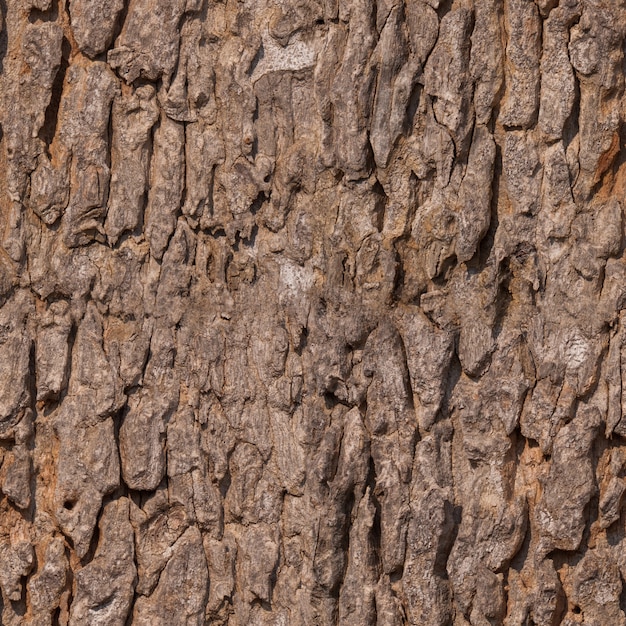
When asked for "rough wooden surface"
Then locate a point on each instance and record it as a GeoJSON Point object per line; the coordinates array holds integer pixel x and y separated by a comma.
{"type": "Point", "coordinates": [311, 312]}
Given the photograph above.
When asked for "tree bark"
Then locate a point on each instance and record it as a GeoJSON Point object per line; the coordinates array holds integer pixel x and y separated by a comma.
{"type": "Point", "coordinates": [312, 312]}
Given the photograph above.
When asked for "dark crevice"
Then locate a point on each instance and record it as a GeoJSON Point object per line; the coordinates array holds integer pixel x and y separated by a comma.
{"type": "Point", "coordinates": [380, 205]}
{"type": "Point", "coordinates": [376, 532]}
{"type": "Point", "coordinates": [121, 20]}
{"type": "Point", "coordinates": [571, 127]}
{"type": "Point", "coordinates": [486, 245]}
{"type": "Point", "coordinates": [50, 15]}
{"type": "Point", "coordinates": [452, 376]}
{"type": "Point", "coordinates": [224, 484]}
{"type": "Point", "coordinates": [4, 44]}
{"type": "Point", "coordinates": [95, 539]}
{"type": "Point", "coordinates": [254, 63]}
{"type": "Point", "coordinates": [51, 120]}
{"type": "Point", "coordinates": [412, 107]}
{"type": "Point", "coordinates": [303, 341]}
{"type": "Point", "coordinates": [258, 202]}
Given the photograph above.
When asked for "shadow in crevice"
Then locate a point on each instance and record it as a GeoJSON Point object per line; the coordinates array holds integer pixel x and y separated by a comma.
{"type": "Point", "coordinates": [4, 38]}
{"type": "Point", "coordinates": [48, 130]}
{"type": "Point", "coordinates": [50, 14]}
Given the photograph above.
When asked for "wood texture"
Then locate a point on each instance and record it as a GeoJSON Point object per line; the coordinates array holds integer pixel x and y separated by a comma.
{"type": "Point", "coordinates": [312, 312]}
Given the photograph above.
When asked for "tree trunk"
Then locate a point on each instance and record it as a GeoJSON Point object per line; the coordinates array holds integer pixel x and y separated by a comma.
{"type": "Point", "coordinates": [311, 312]}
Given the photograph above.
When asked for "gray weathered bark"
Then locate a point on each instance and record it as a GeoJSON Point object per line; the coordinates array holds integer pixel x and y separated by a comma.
{"type": "Point", "coordinates": [311, 312]}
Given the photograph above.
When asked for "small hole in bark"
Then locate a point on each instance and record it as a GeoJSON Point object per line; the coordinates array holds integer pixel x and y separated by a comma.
{"type": "Point", "coordinates": [68, 505]}
{"type": "Point", "coordinates": [576, 610]}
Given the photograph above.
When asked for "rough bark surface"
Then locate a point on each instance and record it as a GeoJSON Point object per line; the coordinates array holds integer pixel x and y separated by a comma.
{"type": "Point", "coordinates": [312, 312]}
